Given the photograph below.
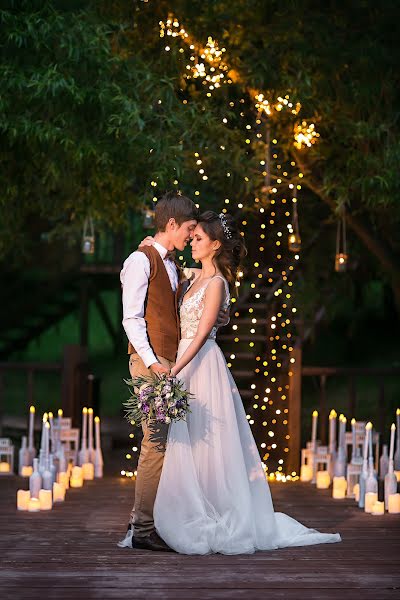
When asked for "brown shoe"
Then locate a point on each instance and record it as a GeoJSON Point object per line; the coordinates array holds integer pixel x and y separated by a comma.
{"type": "Point", "coordinates": [151, 542]}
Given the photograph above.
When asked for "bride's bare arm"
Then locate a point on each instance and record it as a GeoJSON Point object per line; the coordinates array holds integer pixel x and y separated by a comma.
{"type": "Point", "coordinates": [214, 297]}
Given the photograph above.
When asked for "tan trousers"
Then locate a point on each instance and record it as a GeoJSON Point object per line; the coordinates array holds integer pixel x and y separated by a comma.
{"type": "Point", "coordinates": [150, 460]}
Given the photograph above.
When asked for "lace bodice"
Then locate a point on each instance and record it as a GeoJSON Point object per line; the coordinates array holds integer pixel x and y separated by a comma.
{"type": "Point", "coordinates": [192, 308]}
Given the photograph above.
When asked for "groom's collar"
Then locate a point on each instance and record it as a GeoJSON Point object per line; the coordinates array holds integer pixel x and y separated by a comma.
{"type": "Point", "coordinates": [161, 250]}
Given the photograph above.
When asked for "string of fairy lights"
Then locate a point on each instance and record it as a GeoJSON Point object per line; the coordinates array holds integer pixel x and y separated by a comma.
{"type": "Point", "coordinates": [274, 209]}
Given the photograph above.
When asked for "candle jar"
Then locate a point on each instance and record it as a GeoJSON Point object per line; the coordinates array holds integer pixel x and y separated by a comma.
{"type": "Point", "coordinates": [45, 500]}
{"type": "Point", "coordinates": [356, 492]}
{"type": "Point", "coordinates": [26, 471]}
{"type": "Point", "coordinates": [339, 488]}
{"type": "Point", "coordinates": [370, 499]}
{"type": "Point", "coordinates": [23, 497]}
{"type": "Point", "coordinates": [88, 471]}
{"type": "Point", "coordinates": [323, 480]}
{"type": "Point", "coordinates": [306, 473]}
{"type": "Point", "coordinates": [5, 467]}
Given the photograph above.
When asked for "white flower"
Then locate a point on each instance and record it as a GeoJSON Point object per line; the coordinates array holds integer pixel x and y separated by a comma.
{"type": "Point", "coordinates": [168, 395]}
{"type": "Point", "coordinates": [167, 420]}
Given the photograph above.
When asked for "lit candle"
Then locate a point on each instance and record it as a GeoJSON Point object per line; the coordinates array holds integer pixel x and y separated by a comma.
{"type": "Point", "coordinates": [34, 505]}
{"type": "Point", "coordinates": [391, 451]}
{"type": "Point", "coordinates": [26, 471]}
{"type": "Point", "coordinates": [332, 431]}
{"type": "Point", "coordinates": [356, 492]}
{"type": "Point", "coordinates": [88, 471]}
{"type": "Point", "coordinates": [42, 443]}
{"type": "Point", "coordinates": [353, 438]}
{"type": "Point", "coordinates": [53, 447]}
{"type": "Point", "coordinates": [31, 427]}
{"type": "Point", "coordinates": [397, 473]}
{"type": "Point", "coordinates": [370, 499]}
{"type": "Point", "coordinates": [378, 508]}
{"type": "Point", "coordinates": [306, 473]}
{"type": "Point", "coordinates": [47, 439]}
{"type": "Point", "coordinates": [58, 492]}
{"type": "Point", "coordinates": [45, 499]}
{"type": "Point", "coordinates": [323, 480]}
{"type": "Point", "coordinates": [23, 497]}
{"type": "Point", "coordinates": [90, 436]}
{"type": "Point", "coordinates": [83, 454]}
{"type": "Point", "coordinates": [394, 504]}
{"type": "Point", "coordinates": [60, 416]}
{"type": "Point", "coordinates": [98, 459]}
{"type": "Point", "coordinates": [63, 478]}
{"type": "Point", "coordinates": [4, 467]}
{"type": "Point", "coordinates": [369, 425]}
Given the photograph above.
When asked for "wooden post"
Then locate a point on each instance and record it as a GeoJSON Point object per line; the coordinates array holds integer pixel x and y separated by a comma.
{"type": "Point", "coordinates": [73, 381]}
{"type": "Point", "coordinates": [294, 405]}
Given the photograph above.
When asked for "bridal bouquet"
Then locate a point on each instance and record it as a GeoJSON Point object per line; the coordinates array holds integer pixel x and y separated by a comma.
{"type": "Point", "coordinates": [161, 399]}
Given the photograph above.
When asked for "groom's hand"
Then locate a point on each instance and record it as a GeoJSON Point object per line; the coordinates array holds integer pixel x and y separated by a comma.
{"type": "Point", "coordinates": [223, 318]}
{"type": "Point", "coordinates": [148, 241]}
{"type": "Point", "coordinates": [158, 369]}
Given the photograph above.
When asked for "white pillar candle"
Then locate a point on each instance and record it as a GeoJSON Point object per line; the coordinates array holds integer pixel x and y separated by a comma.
{"type": "Point", "coordinates": [23, 497]}
{"type": "Point", "coordinates": [314, 430]}
{"type": "Point", "coordinates": [34, 505]}
{"type": "Point", "coordinates": [51, 431]}
{"type": "Point", "coordinates": [90, 435]}
{"type": "Point", "coordinates": [378, 508]}
{"type": "Point", "coordinates": [44, 420]}
{"type": "Point", "coordinates": [392, 433]}
{"type": "Point", "coordinates": [332, 431]}
{"type": "Point", "coordinates": [45, 499]}
{"type": "Point", "coordinates": [98, 458]}
{"type": "Point", "coordinates": [58, 492]}
{"type": "Point", "coordinates": [394, 504]}
{"type": "Point", "coordinates": [60, 416]}
{"type": "Point", "coordinates": [88, 471]}
{"type": "Point", "coordinates": [353, 438]}
{"type": "Point", "coordinates": [369, 425]}
{"type": "Point", "coordinates": [370, 499]}
{"type": "Point", "coordinates": [306, 473]}
{"type": "Point", "coordinates": [47, 439]}
{"type": "Point", "coordinates": [356, 492]}
{"type": "Point", "coordinates": [323, 480]}
{"type": "Point", "coordinates": [31, 427]}
{"type": "Point", "coordinates": [26, 471]}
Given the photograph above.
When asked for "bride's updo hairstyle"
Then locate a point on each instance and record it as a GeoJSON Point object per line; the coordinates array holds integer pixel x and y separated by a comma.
{"type": "Point", "coordinates": [230, 255]}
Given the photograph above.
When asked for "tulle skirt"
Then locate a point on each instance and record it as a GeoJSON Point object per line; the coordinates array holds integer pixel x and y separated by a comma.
{"type": "Point", "coordinates": [213, 495]}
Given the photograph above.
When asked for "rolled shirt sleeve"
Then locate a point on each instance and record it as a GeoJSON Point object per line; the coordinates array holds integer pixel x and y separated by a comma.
{"type": "Point", "coordinates": [135, 281]}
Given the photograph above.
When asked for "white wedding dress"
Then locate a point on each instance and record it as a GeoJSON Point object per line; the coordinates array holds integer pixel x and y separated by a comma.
{"type": "Point", "coordinates": [213, 495]}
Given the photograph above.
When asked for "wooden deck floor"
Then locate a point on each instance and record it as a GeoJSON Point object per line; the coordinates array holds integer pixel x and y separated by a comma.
{"type": "Point", "coordinates": [71, 553]}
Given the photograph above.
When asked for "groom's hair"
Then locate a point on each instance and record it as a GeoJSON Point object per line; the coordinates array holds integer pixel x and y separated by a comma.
{"type": "Point", "coordinates": [172, 205]}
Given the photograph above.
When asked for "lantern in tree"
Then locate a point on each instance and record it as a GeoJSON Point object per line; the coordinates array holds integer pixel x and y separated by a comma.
{"type": "Point", "coordinates": [88, 236]}
{"type": "Point", "coordinates": [341, 257]}
{"type": "Point", "coordinates": [294, 240]}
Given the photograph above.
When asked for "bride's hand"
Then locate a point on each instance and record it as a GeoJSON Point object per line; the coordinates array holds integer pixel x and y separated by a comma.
{"type": "Point", "coordinates": [148, 241]}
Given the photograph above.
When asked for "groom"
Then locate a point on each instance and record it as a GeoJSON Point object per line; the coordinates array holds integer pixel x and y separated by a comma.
{"type": "Point", "coordinates": [151, 285]}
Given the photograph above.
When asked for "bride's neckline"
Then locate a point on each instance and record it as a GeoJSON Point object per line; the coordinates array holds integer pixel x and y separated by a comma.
{"type": "Point", "coordinates": [187, 298]}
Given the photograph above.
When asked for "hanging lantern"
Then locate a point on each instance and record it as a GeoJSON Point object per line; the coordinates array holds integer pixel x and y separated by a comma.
{"type": "Point", "coordinates": [341, 256]}
{"type": "Point", "coordinates": [294, 239]}
{"type": "Point", "coordinates": [88, 236]}
{"type": "Point", "coordinates": [148, 218]}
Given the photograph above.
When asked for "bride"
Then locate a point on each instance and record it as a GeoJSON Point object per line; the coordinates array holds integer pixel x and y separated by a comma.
{"type": "Point", "coordinates": [213, 495]}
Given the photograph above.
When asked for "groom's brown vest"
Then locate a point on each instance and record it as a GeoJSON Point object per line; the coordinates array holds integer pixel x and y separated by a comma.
{"type": "Point", "coordinates": [160, 309]}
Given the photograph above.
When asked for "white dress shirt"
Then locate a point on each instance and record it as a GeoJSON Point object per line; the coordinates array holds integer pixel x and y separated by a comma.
{"type": "Point", "coordinates": [134, 277]}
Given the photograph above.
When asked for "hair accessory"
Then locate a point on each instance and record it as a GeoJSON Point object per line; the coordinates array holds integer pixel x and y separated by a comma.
{"type": "Point", "coordinates": [227, 231]}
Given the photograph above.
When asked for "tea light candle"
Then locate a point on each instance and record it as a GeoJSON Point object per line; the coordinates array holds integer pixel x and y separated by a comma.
{"type": "Point", "coordinates": [34, 505]}
{"type": "Point", "coordinates": [356, 492]}
{"type": "Point", "coordinates": [378, 508]}
{"type": "Point", "coordinates": [88, 471]}
{"type": "Point", "coordinates": [26, 471]}
{"type": "Point", "coordinates": [58, 492]}
{"type": "Point", "coordinates": [4, 467]}
{"type": "Point", "coordinates": [394, 504]}
{"type": "Point", "coordinates": [323, 480]}
{"type": "Point", "coordinates": [306, 473]}
{"type": "Point", "coordinates": [45, 500]}
{"type": "Point", "coordinates": [370, 499]}
{"type": "Point", "coordinates": [23, 497]}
